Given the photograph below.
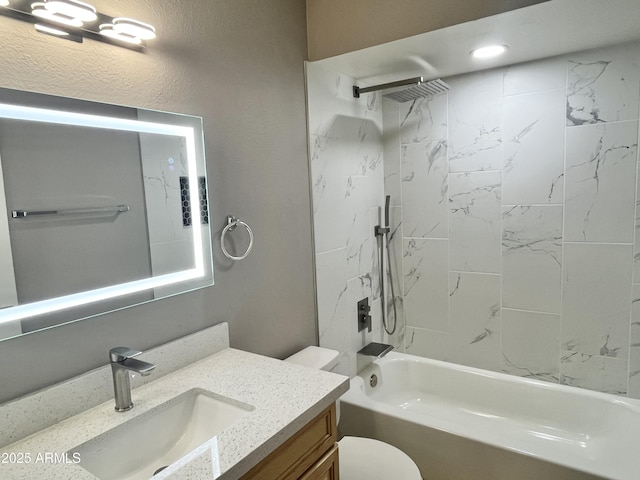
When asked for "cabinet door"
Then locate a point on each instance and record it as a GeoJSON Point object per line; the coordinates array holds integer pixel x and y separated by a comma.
{"type": "Point", "coordinates": [303, 450]}
{"type": "Point", "coordinates": [325, 469]}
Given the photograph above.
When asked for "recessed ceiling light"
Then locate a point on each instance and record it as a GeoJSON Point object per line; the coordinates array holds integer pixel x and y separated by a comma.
{"type": "Point", "coordinates": [4, 3]}
{"type": "Point", "coordinates": [489, 51]}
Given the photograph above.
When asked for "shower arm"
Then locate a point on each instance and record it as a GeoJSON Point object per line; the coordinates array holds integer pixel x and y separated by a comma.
{"type": "Point", "coordinates": [411, 81]}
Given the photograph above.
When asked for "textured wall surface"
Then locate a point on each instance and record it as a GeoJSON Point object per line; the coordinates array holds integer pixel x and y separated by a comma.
{"type": "Point", "coordinates": [238, 64]}
{"type": "Point", "coordinates": [337, 27]}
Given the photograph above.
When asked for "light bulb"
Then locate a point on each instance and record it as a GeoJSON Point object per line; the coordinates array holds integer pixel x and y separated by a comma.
{"type": "Point", "coordinates": [108, 31]}
{"type": "Point", "coordinates": [134, 28]}
{"type": "Point", "coordinates": [4, 3]}
{"type": "Point", "coordinates": [38, 10]}
{"type": "Point", "coordinates": [72, 9]}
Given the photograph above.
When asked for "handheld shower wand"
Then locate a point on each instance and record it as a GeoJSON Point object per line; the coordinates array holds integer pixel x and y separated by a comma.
{"type": "Point", "coordinates": [383, 233]}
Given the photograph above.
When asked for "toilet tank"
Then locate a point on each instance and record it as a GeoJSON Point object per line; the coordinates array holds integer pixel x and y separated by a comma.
{"type": "Point", "coordinates": [315, 357]}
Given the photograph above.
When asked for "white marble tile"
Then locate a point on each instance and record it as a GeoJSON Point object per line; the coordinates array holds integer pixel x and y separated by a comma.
{"type": "Point", "coordinates": [424, 119]}
{"type": "Point", "coordinates": [532, 257]}
{"type": "Point", "coordinates": [424, 190]}
{"type": "Point", "coordinates": [474, 221]}
{"type": "Point", "coordinates": [330, 97]}
{"type": "Point", "coordinates": [596, 299]}
{"type": "Point", "coordinates": [531, 344]}
{"type": "Point", "coordinates": [475, 110]}
{"type": "Point", "coordinates": [331, 290]}
{"type": "Point", "coordinates": [603, 86]}
{"type": "Point", "coordinates": [533, 151]}
{"type": "Point", "coordinates": [391, 151]}
{"type": "Point", "coordinates": [426, 293]}
{"type": "Point", "coordinates": [636, 247]}
{"type": "Point", "coordinates": [600, 183]}
{"type": "Point", "coordinates": [357, 289]}
{"type": "Point", "coordinates": [604, 374]}
{"type": "Point", "coordinates": [634, 345]}
{"type": "Point", "coordinates": [328, 194]}
{"type": "Point", "coordinates": [427, 343]}
{"type": "Point", "coordinates": [359, 237]}
{"type": "Point", "coordinates": [547, 74]}
{"type": "Point", "coordinates": [475, 319]}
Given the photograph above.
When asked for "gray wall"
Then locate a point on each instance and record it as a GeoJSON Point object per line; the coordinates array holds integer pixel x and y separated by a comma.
{"type": "Point", "coordinates": [238, 64]}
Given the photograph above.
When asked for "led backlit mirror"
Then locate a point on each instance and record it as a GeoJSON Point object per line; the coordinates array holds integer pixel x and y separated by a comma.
{"type": "Point", "coordinates": [101, 207]}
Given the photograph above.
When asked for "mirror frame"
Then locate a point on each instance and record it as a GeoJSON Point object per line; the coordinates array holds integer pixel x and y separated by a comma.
{"type": "Point", "coordinates": [70, 118]}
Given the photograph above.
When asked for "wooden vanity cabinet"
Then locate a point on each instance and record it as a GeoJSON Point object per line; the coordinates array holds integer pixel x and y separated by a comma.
{"type": "Point", "coordinates": [310, 454]}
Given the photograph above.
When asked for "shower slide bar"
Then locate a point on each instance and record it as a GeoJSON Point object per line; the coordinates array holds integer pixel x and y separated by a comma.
{"type": "Point", "coordinates": [109, 210]}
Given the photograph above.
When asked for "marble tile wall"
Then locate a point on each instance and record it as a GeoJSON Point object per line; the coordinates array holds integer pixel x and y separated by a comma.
{"type": "Point", "coordinates": [347, 182]}
{"type": "Point", "coordinates": [516, 198]}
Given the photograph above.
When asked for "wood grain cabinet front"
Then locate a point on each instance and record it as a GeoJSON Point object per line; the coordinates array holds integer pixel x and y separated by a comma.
{"type": "Point", "coordinates": [310, 454]}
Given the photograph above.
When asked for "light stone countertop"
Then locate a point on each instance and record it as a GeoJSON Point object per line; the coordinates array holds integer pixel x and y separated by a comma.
{"type": "Point", "coordinates": [285, 397]}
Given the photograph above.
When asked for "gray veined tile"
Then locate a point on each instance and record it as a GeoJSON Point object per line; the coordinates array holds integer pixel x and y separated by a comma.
{"type": "Point", "coordinates": [533, 148]}
{"type": "Point", "coordinates": [594, 372]}
{"type": "Point", "coordinates": [474, 221]}
{"type": "Point", "coordinates": [391, 151]}
{"type": "Point", "coordinates": [475, 319]}
{"type": "Point", "coordinates": [600, 183]}
{"type": "Point", "coordinates": [531, 344]}
{"type": "Point", "coordinates": [596, 299]}
{"type": "Point", "coordinates": [634, 345]}
{"type": "Point", "coordinates": [532, 257]}
{"type": "Point", "coordinates": [330, 97]}
{"type": "Point", "coordinates": [475, 132]}
{"type": "Point", "coordinates": [331, 288]}
{"type": "Point", "coordinates": [425, 286]}
{"type": "Point", "coordinates": [328, 192]}
{"type": "Point", "coordinates": [537, 76]}
{"type": "Point", "coordinates": [424, 120]}
{"type": "Point", "coordinates": [603, 86]}
{"type": "Point", "coordinates": [427, 343]}
{"type": "Point", "coordinates": [424, 190]}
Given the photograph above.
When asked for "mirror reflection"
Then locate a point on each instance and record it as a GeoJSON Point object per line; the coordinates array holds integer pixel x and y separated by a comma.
{"type": "Point", "coordinates": [102, 207]}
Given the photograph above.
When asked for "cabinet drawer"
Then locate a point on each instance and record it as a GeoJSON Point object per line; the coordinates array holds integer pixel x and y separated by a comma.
{"type": "Point", "coordinates": [327, 469]}
{"type": "Point", "coordinates": [296, 455]}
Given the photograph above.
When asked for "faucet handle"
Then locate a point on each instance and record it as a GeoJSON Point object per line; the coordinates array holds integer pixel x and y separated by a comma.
{"type": "Point", "coordinates": [120, 354]}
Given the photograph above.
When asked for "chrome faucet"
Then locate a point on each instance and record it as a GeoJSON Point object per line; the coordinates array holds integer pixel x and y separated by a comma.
{"type": "Point", "coordinates": [121, 362]}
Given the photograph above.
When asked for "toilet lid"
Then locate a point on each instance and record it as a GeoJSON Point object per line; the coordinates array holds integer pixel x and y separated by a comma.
{"type": "Point", "coordinates": [366, 458]}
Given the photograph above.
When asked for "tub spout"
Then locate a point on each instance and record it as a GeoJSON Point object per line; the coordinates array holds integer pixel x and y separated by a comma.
{"type": "Point", "coordinates": [376, 349]}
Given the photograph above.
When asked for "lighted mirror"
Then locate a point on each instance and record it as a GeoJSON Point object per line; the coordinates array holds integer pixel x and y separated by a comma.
{"type": "Point", "coordinates": [101, 207]}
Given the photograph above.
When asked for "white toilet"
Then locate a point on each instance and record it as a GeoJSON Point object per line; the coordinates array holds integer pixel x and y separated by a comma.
{"type": "Point", "coordinates": [360, 458]}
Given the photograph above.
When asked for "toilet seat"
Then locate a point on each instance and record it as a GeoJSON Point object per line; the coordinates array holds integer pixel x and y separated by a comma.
{"type": "Point", "coordinates": [369, 459]}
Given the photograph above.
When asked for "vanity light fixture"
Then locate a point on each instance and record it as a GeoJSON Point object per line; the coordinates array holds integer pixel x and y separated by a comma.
{"type": "Point", "coordinates": [79, 20]}
{"type": "Point", "coordinates": [489, 51]}
{"type": "Point", "coordinates": [39, 10]}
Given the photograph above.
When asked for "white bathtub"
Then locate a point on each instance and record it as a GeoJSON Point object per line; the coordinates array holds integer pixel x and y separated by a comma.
{"type": "Point", "coordinates": [462, 423]}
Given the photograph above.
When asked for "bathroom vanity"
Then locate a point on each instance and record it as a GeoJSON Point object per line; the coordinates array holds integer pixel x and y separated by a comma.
{"type": "Point", "coordinates": [274, 420]}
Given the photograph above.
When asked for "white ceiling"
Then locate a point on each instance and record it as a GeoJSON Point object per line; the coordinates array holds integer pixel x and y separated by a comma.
{"type": "Point", "coordinates": [543, 30]}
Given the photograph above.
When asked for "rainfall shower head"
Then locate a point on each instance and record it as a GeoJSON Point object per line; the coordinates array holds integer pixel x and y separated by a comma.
{"type": "Point", "coordinates": [417, 88]}
{"type": "Point", "coordinates": [423, 89]}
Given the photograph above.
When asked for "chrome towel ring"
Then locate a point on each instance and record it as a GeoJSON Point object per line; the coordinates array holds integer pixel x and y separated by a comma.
{"type": "Point", "coordinates": [232, 223]}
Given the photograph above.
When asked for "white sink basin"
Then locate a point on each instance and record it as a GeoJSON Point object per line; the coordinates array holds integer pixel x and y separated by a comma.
{"type": "Point", "coordinates": [138, 448]}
